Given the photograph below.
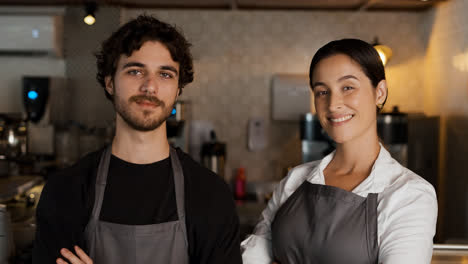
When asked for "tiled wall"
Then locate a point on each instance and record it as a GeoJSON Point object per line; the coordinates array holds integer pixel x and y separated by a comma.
{"type": "Point", "coordinates": [446, 94]}
{"type": "Point", "coordinates": [237, 53]}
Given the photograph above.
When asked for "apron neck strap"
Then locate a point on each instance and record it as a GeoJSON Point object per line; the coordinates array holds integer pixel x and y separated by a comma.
{"type": "Point", "coordinates": [179, 189]}
{"type": "Point", "coordinates": [101, 181]}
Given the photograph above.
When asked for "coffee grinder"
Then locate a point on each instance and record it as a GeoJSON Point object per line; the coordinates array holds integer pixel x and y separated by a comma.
{"type": "Point", "coordinates": [46, 102]}
{"type": "Point", "coordinates": [35, 97]}
{"type": "Point", "coordinates": [392, 128]}
{"type": "Point", "coordinates": [413, 140]}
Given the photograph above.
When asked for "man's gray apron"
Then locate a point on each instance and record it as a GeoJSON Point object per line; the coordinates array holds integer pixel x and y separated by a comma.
{"type": "Point", "coordinates": [320, 224]}
{"type": "Point", "coordinates": [139, 244]}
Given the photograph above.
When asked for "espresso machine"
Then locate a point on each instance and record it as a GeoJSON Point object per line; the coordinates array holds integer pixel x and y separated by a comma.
{"type": "Point", "coordinates": [413, 140]}
{"type": "Point", "coordinates": [26, 153]}
{"type": "Point", "coordinates": [13, 142]}
{"type": "Point", "coordinates": [392, 128]}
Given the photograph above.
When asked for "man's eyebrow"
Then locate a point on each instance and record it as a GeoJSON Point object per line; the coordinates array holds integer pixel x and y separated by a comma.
{"type": "Point", "coordinates": [132, 64]}
{"type": "Point", "coordinates": [170, 68]}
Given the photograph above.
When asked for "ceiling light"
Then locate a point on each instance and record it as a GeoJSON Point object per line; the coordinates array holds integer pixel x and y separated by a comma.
{"type": "Point", "coordinates": [90, 9]}
{"type": "Point", "coordinates": [89, 19]}
{"type": "Point", "coordinates": [385, 52]}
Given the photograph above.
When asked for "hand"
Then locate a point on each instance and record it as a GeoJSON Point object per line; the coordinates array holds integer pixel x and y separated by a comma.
{"type": "Point", "coordinates": [82, 258]}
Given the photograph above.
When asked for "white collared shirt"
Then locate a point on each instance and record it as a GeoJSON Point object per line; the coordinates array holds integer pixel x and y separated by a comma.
{"type": "Point", "coordinates": [407, 211]}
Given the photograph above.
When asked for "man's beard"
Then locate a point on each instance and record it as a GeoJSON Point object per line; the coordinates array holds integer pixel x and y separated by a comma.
{"type": "Point", "coordinates": [146, 123]}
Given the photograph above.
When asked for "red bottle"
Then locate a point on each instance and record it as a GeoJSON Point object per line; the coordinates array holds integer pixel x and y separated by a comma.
{"type": "Point", "coordinates": [240, 184]}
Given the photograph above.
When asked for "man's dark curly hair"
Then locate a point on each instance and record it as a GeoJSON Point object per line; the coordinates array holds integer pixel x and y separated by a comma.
{"type": "Point", "coordinates": [132, 36]}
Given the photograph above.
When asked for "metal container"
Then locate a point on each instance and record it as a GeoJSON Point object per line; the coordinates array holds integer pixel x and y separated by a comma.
{"type": "Point", "coordinates": [6, 239]}
{"type": "Point", "coordinates": [392, 127]}
{"type": "Point", "coordinates": [213, 155]}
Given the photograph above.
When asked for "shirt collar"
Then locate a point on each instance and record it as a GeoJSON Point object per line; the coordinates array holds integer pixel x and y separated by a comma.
{"type": "Point", "coordinates": [374, 183]}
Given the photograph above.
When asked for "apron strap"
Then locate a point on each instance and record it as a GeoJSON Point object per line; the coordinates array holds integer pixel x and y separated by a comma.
{"type": "Point", "coordinates": [179, 190]}
{"type": "Point", "coordinates": [101, 180]}
{"type": "Point", "coordinates": [372, 235]}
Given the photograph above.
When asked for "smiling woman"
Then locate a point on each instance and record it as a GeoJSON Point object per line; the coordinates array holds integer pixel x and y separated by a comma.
{"type": "Point", "coordinates": [340, 99]}
{"type": "Point", "coordinates": [357, 205]}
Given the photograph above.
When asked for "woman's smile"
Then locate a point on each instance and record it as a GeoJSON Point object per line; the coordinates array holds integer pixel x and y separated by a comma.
{"type": "Point", "coordinates": [337, 121]}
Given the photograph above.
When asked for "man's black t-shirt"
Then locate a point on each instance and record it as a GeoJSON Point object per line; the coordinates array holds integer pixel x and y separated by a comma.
{"type": "Point", "coordinates": [136, 195]}
{"type": "Point", "coordinates": [139, 194]}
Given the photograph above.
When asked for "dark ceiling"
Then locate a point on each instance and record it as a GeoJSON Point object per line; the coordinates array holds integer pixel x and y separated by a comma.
{"type": "Point", "coordinates": [403, 5]}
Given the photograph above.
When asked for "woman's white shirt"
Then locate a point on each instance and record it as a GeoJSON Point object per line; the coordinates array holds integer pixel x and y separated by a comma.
{"type": "Point", "coordinates": [407, 211]}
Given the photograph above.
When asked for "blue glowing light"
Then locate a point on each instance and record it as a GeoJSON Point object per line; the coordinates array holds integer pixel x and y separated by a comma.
{"type": "Point", "coordinates": [174, 111]}
{"type": "Point", "coordinates": [32, 95]}
{"type": "Point", "coordinates": [35, 33]}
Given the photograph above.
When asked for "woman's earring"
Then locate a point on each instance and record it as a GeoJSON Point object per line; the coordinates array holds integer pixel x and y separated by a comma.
{"type": "Point", "coordinates": [379, 106]}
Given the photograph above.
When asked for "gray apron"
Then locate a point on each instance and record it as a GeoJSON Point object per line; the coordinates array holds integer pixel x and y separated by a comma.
{"type": "Point", "coordinates": [320, 224]}
{"type": "Point", "coordinates": [139, 244]}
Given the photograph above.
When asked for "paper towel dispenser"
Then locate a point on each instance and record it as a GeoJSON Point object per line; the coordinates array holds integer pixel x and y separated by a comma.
{"type": "Point", "coordinates": [290, 97]}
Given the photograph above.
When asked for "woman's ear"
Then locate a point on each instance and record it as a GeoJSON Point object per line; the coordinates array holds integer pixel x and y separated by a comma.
{"type": "Point", "coordinates": [381, 92]}
{"type": "Point", "coordinates": [109, 85]}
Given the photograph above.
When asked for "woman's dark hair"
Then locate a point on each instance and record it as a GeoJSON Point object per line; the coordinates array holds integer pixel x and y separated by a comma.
{"type": "Point", "coordinates": [132, 36]}
{"type": "Point", "coordinates": [359, 51]}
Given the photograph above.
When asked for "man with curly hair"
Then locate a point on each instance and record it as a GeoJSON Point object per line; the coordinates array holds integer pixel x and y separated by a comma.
{"type": "Point", "coordinates": [139, 200]}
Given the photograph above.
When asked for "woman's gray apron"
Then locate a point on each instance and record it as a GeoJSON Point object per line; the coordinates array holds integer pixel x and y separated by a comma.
{"type": "Point", "coordinates": [320, 224]}
{"type": "Point", "coordinates": [139, 244]}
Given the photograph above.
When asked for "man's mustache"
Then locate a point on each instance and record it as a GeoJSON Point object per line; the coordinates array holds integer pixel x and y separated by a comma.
{"type": "Point", "coordinates": [151, 99]}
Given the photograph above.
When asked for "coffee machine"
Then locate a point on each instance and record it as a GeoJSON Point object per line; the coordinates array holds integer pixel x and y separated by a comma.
{"type": "Point", "coordinates": [35, 97]}
{"type": "Point", "coordinates": [392, 128]}
{"type": "Point", "coordinates": [413, 140]}
{"type": "Point", "coordinates": [13, 140]}
{"type": "Point", "coordinates": [46, 102]}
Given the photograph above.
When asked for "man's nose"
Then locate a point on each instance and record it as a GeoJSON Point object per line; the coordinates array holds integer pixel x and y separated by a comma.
{"type": "Point", "coordinates": [150, 85]}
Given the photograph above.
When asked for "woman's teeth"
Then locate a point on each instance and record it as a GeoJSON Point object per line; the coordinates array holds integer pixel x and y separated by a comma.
{"type": "Point", "coordinates": [341, 119]}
